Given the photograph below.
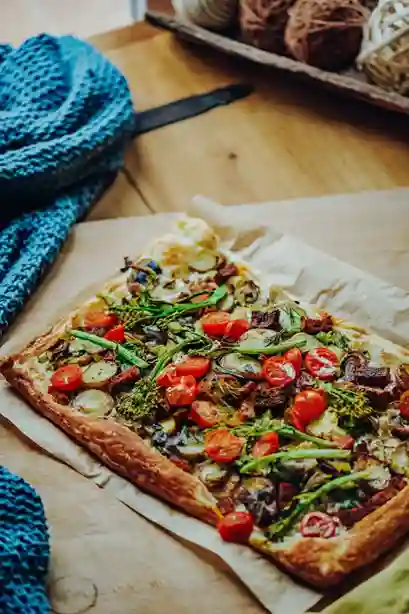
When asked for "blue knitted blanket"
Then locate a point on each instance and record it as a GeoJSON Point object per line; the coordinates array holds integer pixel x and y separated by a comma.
{"type": "Point", "coordinates": [24, 548]}
{"type": "Point", "coordinates": [65, 116]}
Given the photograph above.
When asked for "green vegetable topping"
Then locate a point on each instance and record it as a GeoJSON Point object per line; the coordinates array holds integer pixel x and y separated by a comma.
{"type": "Point", "coordinates": [123, 353]}
{"type": "Point", "coordinates": [272, 349]}
{"type": "Point", "coordinates": [304, 500]}
{"type": "Point", "coordinates": [346, 400]}
{"type": "Point", "coordinates": [266, 424]}
{"type": "Point", "coordinates": [261, 462]}
{"type": "Point", "coordinates": [334, 337]}
{"type": "Point", "coordinates": [144, 308]}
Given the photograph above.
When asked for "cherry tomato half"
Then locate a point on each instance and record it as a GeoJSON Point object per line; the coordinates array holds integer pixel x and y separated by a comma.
{"type": "Point", "coordinates": [205, 413]}
{"type": "Point", "coordinates": [236, 328]}
{"type": "Point", "coordinates": [183, 392]}
{"type": "Point", "coordinates": [236, 527]}
{"type": "Point", "coordinates": [267, 444]}
{"type": "Point", "coordinates": [294, 356]}
{"type": "Point", "coordinates": [322, 363]}
{"type": "Point", "coordinates": [309, 405]}
{"type": "Point", "coordinates": [67, 378]}
{"type": "Point", "coordinates": [168, 377]}
{"type": "Point", "coordinates": [117, 334]}
{"type": "Point", "coordinates": [195, 365]}
{"type": "Point", "coordinates": [318, 524]}
{"type": "Point", "coordinates": [278, 371]}
{"type": "Point", "coordinates": [222, 446]}
{"type": "Point", "coordinates": [215, 323]}
{"type": "Point", "coordinates": [99, 319]}
{"type": "Point", "coordinates": [404, 404]}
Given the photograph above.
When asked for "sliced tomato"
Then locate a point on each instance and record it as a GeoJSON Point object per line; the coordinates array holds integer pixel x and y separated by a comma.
{"type": "Point", "coordinates": [236, 527]}
{"type": "Point", "coordinates": [117, 334]}
{"type": "Point", "coordinates": [183, 392]}
{"type": "Point", "coordinates": [168, 377]}
{"type": "Point", "coordinates": [205, 413]}
{"type": "Point", "coordinates": [222, 446]}
{"type": "Point", "coordinates": [99, 319]}
{"type": "Point", "coordinates": [67, 378]}
{"type": "Point", "coordinates": [294, 356]}
{"type": "Point", "coordinates": [318, 524]}
{"type": "Point", "coordinates": [322, 363]}
{"type": "Point", "coordinates": [267, 444]}
{"type": "Point", "coordinates": [308, 406]}
{"type": "Point", "coordinates": [236, 328]}
{"type": "Point", "coordinates": [404, 404]}
{"type": "Point", "coordinates": [278, 371]}
{"type": "Point", "coordinates": [215, 323]}
{"type": "Point", "coordinates": [197, 366]}
{"type": "Point", "coordinates": [296, 420]}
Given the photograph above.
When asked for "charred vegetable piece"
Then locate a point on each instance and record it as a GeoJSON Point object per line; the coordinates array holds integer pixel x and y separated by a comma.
{"type": "Point", "coordinates": [377, 377]}
{"type": "Point", "coordinates": [126, 377]}
{"type": "Point", "coordinates": [313, 326]}
{"type": "Point", "coordinates": [94, 402]}
{"type": "Point", "coordinates": [266, 319]}
{"type": "Point", "coordinates": [224, 273]}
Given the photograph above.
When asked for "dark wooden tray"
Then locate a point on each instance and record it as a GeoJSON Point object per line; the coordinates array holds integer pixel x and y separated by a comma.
{"type": "Point", "coordinates": [351, 83]}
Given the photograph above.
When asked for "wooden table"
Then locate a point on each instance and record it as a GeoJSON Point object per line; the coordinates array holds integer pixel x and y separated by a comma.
{"type": "Point", "coordinates": [285, 141]}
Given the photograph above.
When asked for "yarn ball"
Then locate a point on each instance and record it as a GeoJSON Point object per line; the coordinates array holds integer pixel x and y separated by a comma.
{"type": "Point", "coordinates": [326, 33]}
{"type": "Point", "coordinates": [211, 14]}
{"type": "Point", "coordinates": [384, 56]}
{"type": "Point", "coordinates": [263, 23]}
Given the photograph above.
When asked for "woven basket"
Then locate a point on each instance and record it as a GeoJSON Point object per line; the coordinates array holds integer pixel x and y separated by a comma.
{"type": "Point", "coordinates": [211, 14]}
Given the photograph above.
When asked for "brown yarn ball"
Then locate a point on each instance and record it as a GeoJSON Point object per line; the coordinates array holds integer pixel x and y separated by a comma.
{"type": "Point", "coordinates": [263, 23]}
{"type": "Point", "coordinates": [326, 33]}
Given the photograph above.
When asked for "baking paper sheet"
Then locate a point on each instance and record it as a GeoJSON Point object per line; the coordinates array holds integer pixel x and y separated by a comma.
{"type": "Point", "coordinates": [284, 261]}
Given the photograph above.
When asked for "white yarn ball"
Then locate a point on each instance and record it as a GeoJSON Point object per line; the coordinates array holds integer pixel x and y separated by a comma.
{"type": "Point", "coordinates": [211, 14]}
{"type": "Point", "coordinates": [384, 55]}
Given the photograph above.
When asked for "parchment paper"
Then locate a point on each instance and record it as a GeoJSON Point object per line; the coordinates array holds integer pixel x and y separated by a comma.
{"type": "Point", "coordinates": [300, 269]}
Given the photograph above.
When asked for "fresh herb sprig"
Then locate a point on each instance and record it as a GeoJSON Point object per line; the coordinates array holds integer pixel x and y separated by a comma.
{"type": "Point", "coordinates": [298, 454]}
{"type": "Point", "coordinates": [123, 353]}
{"type": "Point", "coordinates": [346, 400]}
{"type": "Point", "coordinates": [304, 500]}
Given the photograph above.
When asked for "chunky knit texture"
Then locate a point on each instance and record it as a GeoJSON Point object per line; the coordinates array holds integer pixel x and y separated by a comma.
{"type": "Point", "coordinates": [65, 116]}
{"type": "Point", "coordinates": [24, 548]}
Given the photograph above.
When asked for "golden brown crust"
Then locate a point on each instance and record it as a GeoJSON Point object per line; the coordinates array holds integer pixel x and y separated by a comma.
{"type": "Point", "coordinates": [320, 562]}
{"type": "Point", "coordinates": [119, 448]}
{"type": "Point", "coordinates": [325, 562]}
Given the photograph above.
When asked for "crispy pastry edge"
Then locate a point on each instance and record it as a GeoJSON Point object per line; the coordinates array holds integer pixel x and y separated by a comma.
{"type": "Point", "coordinates": [320, 562]}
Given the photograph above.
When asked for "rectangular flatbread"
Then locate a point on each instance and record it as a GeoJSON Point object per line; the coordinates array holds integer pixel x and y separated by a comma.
{"type": "Point", "coordinates": [285, 427]}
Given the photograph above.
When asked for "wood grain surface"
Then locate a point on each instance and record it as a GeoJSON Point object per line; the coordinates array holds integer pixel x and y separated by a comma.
{"type": "Point", "coordinates": [285, 141]}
